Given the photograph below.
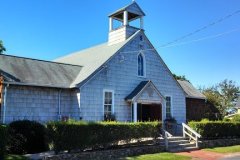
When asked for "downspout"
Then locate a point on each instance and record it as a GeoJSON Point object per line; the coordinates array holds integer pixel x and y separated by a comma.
{"type": "Point", "coordinates": [5, 103]}
{"type": "Point", "coordinates": [79, 103]}
{"type": "Point", "coordinates": [59, 105]}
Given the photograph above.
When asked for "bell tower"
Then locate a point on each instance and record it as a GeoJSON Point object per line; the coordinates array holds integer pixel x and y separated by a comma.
{"type": "Point", "coordinates": [124, 16]}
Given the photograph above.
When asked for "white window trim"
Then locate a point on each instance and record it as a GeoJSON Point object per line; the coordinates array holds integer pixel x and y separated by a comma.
{"type": "Point", "coordinates": [171, 106]}
{"type": "Point", "coordinates": [144, 65]}
{"type": "Point", "coordinates": [113, 98]}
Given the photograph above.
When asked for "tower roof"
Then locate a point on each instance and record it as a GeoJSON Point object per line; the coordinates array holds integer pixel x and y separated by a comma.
{"type": "Point", "coordinates": [134, 12]}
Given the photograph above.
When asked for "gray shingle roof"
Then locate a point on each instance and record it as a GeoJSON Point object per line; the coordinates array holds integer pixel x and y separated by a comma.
{"type": "Point", "coordinates": [127, 8]}
{"type": "Point", "coordinates": [65, 72]}
{"type": "Point", "coordinates": [190, 90]}
{"type": "Point", "coordinates": [34, 72]}
{"type": "Point", "coordinates": [136, 90]}
{"type": "Point", "coordinates": [92, 58]}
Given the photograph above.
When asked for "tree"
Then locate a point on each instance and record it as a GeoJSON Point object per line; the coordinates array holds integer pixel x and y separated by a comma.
{"type": "Point", "coordinates": [180, 77]}
{"type": "Point", "coordinates": [222, 95]}
{"type": "Point", "coordinates": [2, 48]}
{"type": "Point", "coordinates": [229, 90]}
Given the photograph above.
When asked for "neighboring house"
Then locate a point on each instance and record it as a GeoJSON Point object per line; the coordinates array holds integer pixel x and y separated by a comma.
{"type": "Point", "coordinates": [124, 77]}
{"type": "Point", "coordinates": [196, 106]}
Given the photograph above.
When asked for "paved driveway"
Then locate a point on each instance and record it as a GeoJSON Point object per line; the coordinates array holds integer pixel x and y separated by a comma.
{"type": "Point", "coordinates": [206, 155]}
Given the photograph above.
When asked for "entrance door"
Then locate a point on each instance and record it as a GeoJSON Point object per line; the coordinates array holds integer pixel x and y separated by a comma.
{"type": "Point", "coordinates": [149, 112]}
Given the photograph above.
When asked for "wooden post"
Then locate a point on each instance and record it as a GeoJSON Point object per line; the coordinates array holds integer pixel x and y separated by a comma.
{"type": "Point", "coordinates": [135, 112]}
{"type": "Point", "coordinates": [110, 24]}
{"type": "Point", "coordinates": [125, 18]}
{"type": "Point", "coordinates": [184, 135]}
{"type": "Point", "coordinates": [196, 141]}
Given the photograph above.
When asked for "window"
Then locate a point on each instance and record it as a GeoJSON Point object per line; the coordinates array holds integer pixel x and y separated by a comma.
{"type": "Point", "coordinates": [168, 107]}
{"type": "Point", "coordinates": [140, 65]}
{"type": "Point", "coordinates": [141, 38]}
{"type": "Point", "coordinates": [108, 102]}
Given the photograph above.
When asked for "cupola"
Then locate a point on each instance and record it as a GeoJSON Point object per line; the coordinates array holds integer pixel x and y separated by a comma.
{"type": "Point", "coordinates": [123, 17]}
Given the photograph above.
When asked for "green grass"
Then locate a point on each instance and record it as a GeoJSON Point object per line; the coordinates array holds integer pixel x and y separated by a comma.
{"type": "Point", "coordinates": [230, 149]}
{"type": "Point", "coordinates": [159, 156]}
{"type": "Point", "coordinates": [15, 157]}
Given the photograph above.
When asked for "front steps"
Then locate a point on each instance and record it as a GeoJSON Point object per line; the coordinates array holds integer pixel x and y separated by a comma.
{"type": "Point", "coordinates": [180, 144]}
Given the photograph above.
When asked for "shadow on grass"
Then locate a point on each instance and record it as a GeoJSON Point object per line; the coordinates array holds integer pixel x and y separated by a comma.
{"type": "Point", "coordinates": [15, 157]}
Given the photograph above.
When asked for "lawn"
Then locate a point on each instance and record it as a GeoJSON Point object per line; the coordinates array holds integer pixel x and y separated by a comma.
{"type": "Point", "coordinates": [159, 156]}
{"type": "Point", "coordinates": [15, 157]}
{"type": "Point", "coordinates": [230, 149]}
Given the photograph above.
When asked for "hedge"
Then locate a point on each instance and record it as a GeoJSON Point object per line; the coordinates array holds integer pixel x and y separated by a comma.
{"type": "Point", "coordinates": [216, 129]}
{"type": "Point", "coordinates": [3, 140]}
{"type": "Point", "coordinates": [81, 135]}
{"type": "Point", "coordinates": [27, 137]}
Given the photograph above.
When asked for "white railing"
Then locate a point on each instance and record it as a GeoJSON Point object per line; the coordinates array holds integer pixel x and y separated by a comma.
{"type": "Point", "coordinates": [165, 135]}
{"type": "Point", "coordinates": [193, 134]}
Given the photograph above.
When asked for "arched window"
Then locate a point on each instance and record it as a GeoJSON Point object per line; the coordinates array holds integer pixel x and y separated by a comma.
{"type": "Point", "coordinates": [141, 64]}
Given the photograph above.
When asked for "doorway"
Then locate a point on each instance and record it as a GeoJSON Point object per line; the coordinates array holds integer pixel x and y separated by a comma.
{"type": "Point", "coordinates": [149, 112]}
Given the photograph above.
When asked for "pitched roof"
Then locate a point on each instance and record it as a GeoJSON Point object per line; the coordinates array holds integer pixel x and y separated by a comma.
{"type": "Point", "coordinates": [129, 8]}
{"type": "Point", "coordinates": [26, 71]}
{"type": "Point", "coordinates": [136, 91]}
{"type": "Point", "coordinates": [92, 59]}
{"type": "Point", "coordinates": [139, 89]}
{"type": "Point", "coordinates": [190, 90]}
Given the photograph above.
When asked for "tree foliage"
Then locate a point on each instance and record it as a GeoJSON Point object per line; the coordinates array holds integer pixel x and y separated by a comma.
{"type": "Point", "coordinates": [2, 48]}
{"type": "Point", "coordinates": [183, 77]}
{"type": "Point", "coordinates": [223, 95]}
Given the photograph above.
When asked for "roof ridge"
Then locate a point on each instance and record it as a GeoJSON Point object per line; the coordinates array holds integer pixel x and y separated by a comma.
{"type": "Point", "coordinates": [34, 59]}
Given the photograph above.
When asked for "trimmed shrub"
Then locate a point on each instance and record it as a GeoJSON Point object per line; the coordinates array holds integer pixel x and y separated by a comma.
{"type": "Point", "coordinates": [27, 137]}
{"type": "Point", "coordinates": [3, 140]}
{"type": "Point", "coordinates": [236, 118]}
{"type": "Point", "coordinates": [216, 129]}
{"type": "Point", "coordinates": [81, 135]}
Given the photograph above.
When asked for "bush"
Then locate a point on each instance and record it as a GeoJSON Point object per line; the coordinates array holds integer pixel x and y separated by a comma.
{"type": "Point", "coordinates": [27, 137]}
{"type": "Point", "coordinates": [236, 118]}
{"type": "Point", "coordinates": [216, 129]}
{"type": "Point", "coordinates": [81, 135]}
{"type": "Point", "coordinates": [3, 140]}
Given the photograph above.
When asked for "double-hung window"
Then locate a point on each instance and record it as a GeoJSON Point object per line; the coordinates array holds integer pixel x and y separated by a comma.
{"type": "Point", "coordinates": [168, 107]}
{"type": "Point", "coordinates": [108, 102]}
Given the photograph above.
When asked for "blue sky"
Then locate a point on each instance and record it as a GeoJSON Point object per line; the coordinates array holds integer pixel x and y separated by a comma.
{"type": "Point", "coordinates": [47, 29]}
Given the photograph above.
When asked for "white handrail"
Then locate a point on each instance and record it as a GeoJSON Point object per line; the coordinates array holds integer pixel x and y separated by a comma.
{"type": "Point", "coordinates": [194, 137]}
{"type": "Point", "coordinates": [165, 135]}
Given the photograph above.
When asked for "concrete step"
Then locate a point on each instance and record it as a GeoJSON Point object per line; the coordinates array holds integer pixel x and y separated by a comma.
{"type": "Point", "coordinates": [179, 141]}
{"type": "Point", "coordinates": [185, 149]}
{"type": "Point", "coordinates": [180, 144]}
{"type": "Point", "coordinates": [176, 138]}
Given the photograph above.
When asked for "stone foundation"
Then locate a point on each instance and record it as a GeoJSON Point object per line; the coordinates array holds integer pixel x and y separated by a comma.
{"type": "Point", "coordinates": [108, 154]}
{"type": "Point", "coordinates": [219, 143]}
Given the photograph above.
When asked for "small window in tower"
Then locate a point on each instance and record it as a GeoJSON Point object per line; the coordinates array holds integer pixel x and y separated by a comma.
{"type": "Point", "coordinates": [141, 38]}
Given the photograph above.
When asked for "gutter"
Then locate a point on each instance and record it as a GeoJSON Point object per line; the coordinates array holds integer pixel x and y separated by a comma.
{"type": "Point", "coordinates": [5, 103]}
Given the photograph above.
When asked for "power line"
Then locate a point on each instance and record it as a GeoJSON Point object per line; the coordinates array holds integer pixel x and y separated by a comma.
{"type": "Point", "coordinates": [188, 42]}
{"type": "Point", "coordinates": [203, 38]}
{"type": "Point", "coordinates": [202, 28]}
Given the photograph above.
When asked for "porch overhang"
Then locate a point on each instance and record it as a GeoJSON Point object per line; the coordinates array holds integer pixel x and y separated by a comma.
{"type": "Point", "coordinates": [145, 93]}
